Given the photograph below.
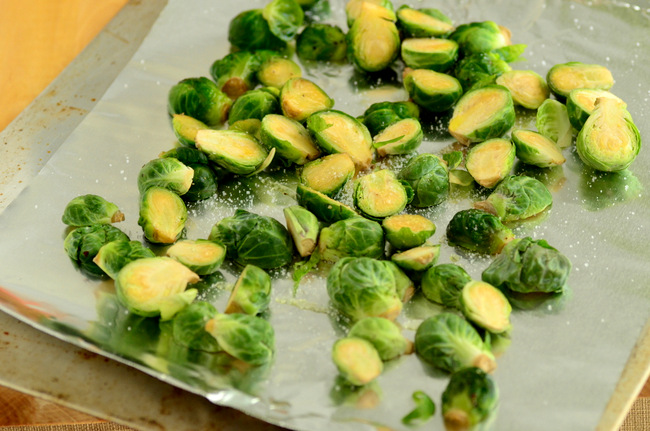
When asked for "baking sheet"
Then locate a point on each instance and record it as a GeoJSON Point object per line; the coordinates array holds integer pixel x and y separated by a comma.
{"type": "Point", "coordinates": [548, 374]}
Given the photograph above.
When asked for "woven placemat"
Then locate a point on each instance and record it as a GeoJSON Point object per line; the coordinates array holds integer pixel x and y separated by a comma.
{"type": "Point", "coordinates": [94, 426]}
{"type": "Point", "coordinates": [639, 417]}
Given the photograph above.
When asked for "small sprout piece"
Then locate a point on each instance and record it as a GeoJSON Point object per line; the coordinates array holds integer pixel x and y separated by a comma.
{"type": "Point", "coordinates": [299, 98]}
{"type": "Point", "coordinates": [444, 283]}
{"type": "Point", "coordinates": [424, 22]}
{"type": "Point", "coordinates": [477, 37]}
{"type": "Point", "coordinates": [481, 114]}
{"type": "Point", "coordinates": [276, 71]}
{"type": "Point", "coordinates": [581, 102]}
{"type": "Point", "coordinates": [87, 210]}
{"type": "Point", "coordinates": [247, 338]}
{"type": "Point", "coordinates": [562, 78]}
{"type": "Point", "coordinates": [329, 174]}
{"type": "Point", "coordinates": [199, 98]}
{"type": "Point", "coordinates": [528, 89]}
{"type": "Point", "coordinates": [188, 327]}
{"type": "Point", "coordinates": [235, 73]}
{"type": "Point", "coordinates": [380, 115]}
{"type": "Point", "coordinates": [252, 292]}
{"type": "Point", "coordinates": [237, 152]}
{"type": "Point", "coordinates": [373, 40]}
{"type": "Point", "coordinates": [527, 266]}
{"type": "Point", "coordinates": [428, 177]}
{"type": "Point", "coordinates": [200, 255]}
{"type": "Point", "coordinates": [470, 398]}
{"type": "Point", "coordinates": [486, 306]}
{"type": "Point", "coordinates": [357, 360]}
{"type": "Point", "coordinates": [449, 342]}
{"type": "Point", "coordinates": [162, 215]}
{"type": "Point", "coordinates": [303, 227]}
{"type": "Point", "coordinates": [423, 411]}
{"type": "Point", "coordinates": [517, 198]}
{"type": "Point", "coordinates": [338, 132]}
{"type": "Point", "coordinates": [609, 140]}
{"type": "Point", "coordinates": [324, 207]}
{"type": "Point", "coordinates": [353, 9]}
{"type": "Point", "coordinates": [402, 137]}
{"type": "Point", "coordinates": [84, 243]}
{"type": "Point", "coordinates": [321, 42]}
{"type": "Point", "coordinates": [361, 287]}
{"type": "Point", "coordinates": [491, 161]}
{"type": "Point", "coordinates": [355, 237]}
{"type": "Point", "coordinates": [479, 70]}
{"type": "Point", "coordinates": [254, 239]}
{"type": "Point", "coordinates": [290, 139]}
{"type": "Point", "coordinates": [251, 31]}
{"type": "Point", "coordinates": [434, 54]}
{"type": "Point", "coordinates": [478, 231]}
{"type": "Point", "coordinates": [417, 258]}
{"type": "Point", "coordinates": [253, 104]}
{"type": "Point", "coordinates": [536, 149]}
{"type": "Point", "coordinates": [114, 255]}
{"type": "Point", "coordinates": [185, 128]}
{"type": "Point", "coordinates": [380, 194]}
{"type": "Point", "coordinates": [155, 286]}
{"type": "Point", "coordinates": [553, 121]}
{"type": "Point", "coordinates": [433, 91]}
{"type": "Point", "coordinates": [168, 173]}
{"type": "Point", "coordinates": [408, 230]}
{"type": "Point", "coordinates": [384, 335]}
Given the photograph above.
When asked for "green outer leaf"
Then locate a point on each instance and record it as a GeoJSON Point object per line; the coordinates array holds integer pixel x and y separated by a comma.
{"type": "Point", "coordinates": [478, 231]}
{"type": "Point", "coordinates": [188, 327]}
{"type": "Point", "coordinates": [199, 98]}
{"type": "Point", "coordinates": [453, 159]}
{"type": "Point", "coordinates": [285, 17]}
{"type": "Point", "coordinates": [253, 104]}
{"type": "Point", "coordinates": [321, 42]}
{"type": "Point", "coordinates": [424, 409]}
{"type": "Point", "coordinates": [168, 173]}
{"type": "Point", "coordinates": [443, 284]}
{"type": "Point", "coordinates": [250, 31]}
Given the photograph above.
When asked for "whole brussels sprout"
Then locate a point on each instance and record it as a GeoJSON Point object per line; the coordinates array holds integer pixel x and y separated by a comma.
{"type": "Point", "coordinates": [300, 97]}
{"type": "Point", "coordinates": [84, 243]}
{"type": "Point", "coordinates": [253, 104]}
{"type": "Point", "coordinates": [304, 228]}
{"type": "Point", "coordinates": [433, 91]}
{"type": "Point", "coordinates": [516, 198]}
{"type": "Point", "coordinates": [248, 338]}
{"type": "Point", "coordinates": [188, 327]}
{"type": "Point", "coordinates": [528, 89]}
{"type": "Point", "coordinates": [357, 360]}
{"type": "Point", "coordinates": [444, 283]}
{"type": "Point", "coordinates": [423, 22]}
{"type": "Point", "coordinates": [562, 78]}
{"type": "Point", "coordinates": [490, 161]}
{"type": "Point", "coordinates": [380, 115]}
{"type": "Point", "coordinates": [252, 292]}
{"type": "Point", "coordinates": [321, 42]}
{"type": "Point", "coordinates": [552, 120]}
{"type": "Point", "coordinates": [199, 98]}
{"type": "Point", "coordinates": [325, 208]}
{"type": "Point", "coordinates": [480, 37]}
{"type": "Point", "coordinates": [408, 230]}
{"type": "Point", "coordinates": [200, 255]}
{"type": "Point", "coordinates": [328, 174]}
{"type": "Point", "coordinates": [481, 69]}
{"type": "Point", "coordinates": [285, 17]}
{"type": "Point", "coordinates": [90, 209]}
{"type": "Point", "coordinates": [536, 149]}
{"type": "Point", "coordinates": [168, 172]}
{"type": "Point", "coordinates": [379, 194]}
{"type": "Point", "coordinates": [478, 231]}
{"type": "Point", "coordinates": [384, 335]}
{"type": "Point", "coordinates": [355, 236]}
{"type": "Point", "coordinates": [470, 397]}
{"type": "Point", "coordinates": [401, 137]}
{"type": "Point", "coordinates": [162, 215]}
{"type": "Point", "coordinates": [290, 139]}
{"type": "Point", "coordinates": [114, 255]}
{"type": "Point", "coordinates": [373, 40]}
{"type": "Point", "coordinates": [251, 31]}
{"type": "Point", "coordinates": [428, 177]}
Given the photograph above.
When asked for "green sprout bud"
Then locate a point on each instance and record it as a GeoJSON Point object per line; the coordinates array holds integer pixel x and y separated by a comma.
{"type": "Point", "coordinates": [248, 338]}
{"type": "Point", "coordinates": [357, 360]}
{"type": "Point", "coordinates": [491, 161]}
{"type": "Point", "coordinates": [356, 237]}
{"type": "Point", "coordinates": [384, 335]}
{"type": "Point", "coordinates": [162, 215]}
{"type": "Point", "coordinates": [200, 255]}
{"type": "Point", "coordinates": [83, 245]}
{"type": "Point", "coordinates": [469, 399]}
{"type": "Point", "coordinates": [200, 98]}
{"type": "Point", "coordinates": [321, 42]}
{"type": "Point", "coordinates": [478, 231]}
{"type": "Point", "coordinates": [562, 78]}
{"type": "Point", "coordinates": [428, 177]}
{"type": "Point", "coordinates": [517, 198]}
{"type": "Point", "coordinates": [168, 172]}
{"type": "Point", "coordinates": [444, 283]}
{"type": "Point", "coordinates": [90, 209]}
{"type": "Point", "coordinates": [528, 89]}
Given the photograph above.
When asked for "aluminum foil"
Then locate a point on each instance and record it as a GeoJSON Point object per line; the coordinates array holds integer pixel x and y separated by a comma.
{"type": "Point", "coordinates": [565, 356]}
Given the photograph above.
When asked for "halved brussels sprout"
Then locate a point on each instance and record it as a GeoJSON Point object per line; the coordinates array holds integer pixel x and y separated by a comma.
{"type": "Point", "coordinates": [324, 207]}
{"type": "Point", "coordinates": [479, 70]}
{"type": "Point", "coordinates": [321, 42]}
{"type": "Point", "coordinates": [354, 237]}
{"type": "Point", "coordinates": [114, 255]}
{"type": "Point", "coordinates": [481, 114]}
{"type": "Point", "coordinates": [253, 104]}
{"type": "Point", "coordinates": [162, 215]}
{"type": "Point", "coordinates": [528, 89]}
{"type": "Point", "coordinates": [357, 360]}
{"type": "Point", "coordinates": [200, 255]}
{"type": "Point", "coordinates": [553, 121]}
{"type": "Point", "coordinates": [252, 292]}
{"type": "Point", "coordinates": [536, 149]}
{"type": "Point", "coordinates": [380, 194]}
{"type": "Point", "coordinates": [249, 30]}
{"type": "Point", "coordinates": [237, 152]}
{"type": "Point", "coordinates": [235, 74]}
{"type": "Point", "coordinates": [188, 327]}
{"type": "Point", "coordinates": [408, 230]}
{"type": "Point", "coordinates": [248, 338]}
{"type": "Point", "coordinates": [424, 22]}
{"type": "Point", "coordinates": [469, 399]}
{"type": "Point", "coordinates": [276, 71]}
{"type": "Point", "coordinates": [433, 91]}
{"type": "Point", "coordinates": [185, 128]}
{"type": "Point", "coordinates": [516, 198]}
{"type": "Point", "coordinates": [581, 102]}
{"type": "Point", "coordinates": [427, 53]}
{"type": "Point", "coordinates": [562, 78]}
{"type": "Point", "coordinates": [168, 172]}
{"type": "Point", "coordinates": [486, 306]}
{"type": "Point", "coordinates": [444, 283]}
{"type": "Point", "coordinates": [285, 17]}
{"type": "Point", "coordinates": [417, 258]}
{"type": "Point", "coordinates": [384, 335]}
{"type": "Point", "coordinates": [199, 98]}
{"type": "Point", "coordinates": [478, 231]}
{"type": "Point", "coordinates": [83, 244]}
{"type": "Point", "coordinates": [477, 37]}
{"type": "Point", "coordinates": [299, 98]}
{"type": "Point", "coordinates": [91, 209]}
{"type": "Point", "coordinates": [338, 132]}
{"type": "Point", "coordinates": [329, 174]}
{"type": "Point", "coordinates": [353, 9]}
{"type": "Point", "coordinates": [290, 139]}
{"type": "Point", "coordinates": [609, 140]}
{"type": "Point", "coordinates": [303, 226]}
{"type": "Point", "coordinates": [154, 286]}
{"type": "Point", "coordinates": [428, 177]}
{"type": "Point", "coordinates": [380, 115]}
{"type": "Point", "coordinates": [490, 161]}
{"type": "Point", "coordinates": [402, 137]}
{"type": "Point", "coordinates": [373, 40]}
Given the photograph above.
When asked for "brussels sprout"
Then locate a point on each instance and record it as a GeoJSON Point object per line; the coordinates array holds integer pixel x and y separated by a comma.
{"type": "Point", "coordinates": [402, 137]}
{"type": "Point", "coordinates": [87, 210]}
{"type": "Point", "coordinates": [609, 141]}
{"type": "Point", "coordinates": [329, 174]}
{"type": "Point", "coordinates": [290, 139]}
{"type": "Point", "coordinates": [423, 411]}
{"type": "Point", "coordinates": [361, 287]}
{"type": "Point", "coordinates": [355, 237]}
{"type": "Point", "coordinates": [250, 126]}
{"type": "Point", "coordinates": [188, 327]}
{"type": "Point", "coordinates": [478, 231]}
{"type": "Point", "coordinates": [469, 399]}
{"type": "Point", "coordinates": [248, 338]}
{"type": "Point", "coordinates": [235, 74]}
{"type": "Point", "coordinates": [428, 177]}
{"type": "Point", "coordinates": [373, 40]}
{"type": "Point", "coordinates": [299, 98]}
{"type": "Point", "coordinates": [325, 208]}
{"type": "Point", "coordinates": [338, 132]}
{"type": "Point", "coordinates": [380, 194]}
{"type": "Point", "coordinates": [276, 71]}
{"type": "Point", "coordinates": [380, 115]}
{"type": "Point", "coordinates": [444, 283]}
{"type": "Point", "coordinates": [527, 266]}
{"type": "Point", "coordinates": [403, 284]}
{"type": "Point", "coordinates": [252, 292]}
{"type": "Point", "coordinates": [154, 286]}
{"type": "Point", "coordinates": [481, 114]}
{"type": "Point", "coordinates": [449, 342]}
{"type": "Point", "coordinates": [562, 78]}
{"type": "Point", "coordinates": [353, 9]}
{"type": "Point", "coordinates": [200, 98]}
{"type": "Point", "coordinates": [321, 42]}
{"type": "Point", "coordinates": [303, 226]}
{"type": "Point", "coordinates": [185, 128]}
{"type": "Point", "coordinates": [253, 104]}
{"type": "Point", "coordinates": [453, 159]}
{"type": "Point", "coordinates": [250, 31]}
{"type": "Point", "coordinates": [433, 91]}
{"type": "Point", "coordinates": [237, 152]}
{"type": "Point", "coordinates": [162, 215]}
{"type": "Point", "coordinates": [186, 155]}
{"type": "Point", "coordinates": [528, 89]}
{"type": "Point", "coordinates": [486, 306]}
{"type": "Point", "coordinates": [407, 230]}
{"type": "Point", "coordinates": [114, 255]}
{"type": "Point", "coordinates": [490, 161]}
{"type": "Point", "coordinates": [435, 54]}
{"type": "Point", "coordinates": [417, 258]}
{"type": "Point", "coordinates": [285, 17]}
{"type": "Point", "coordinates": [168, 173]}
{"type": "Point", "coordinates": [581, 102]}
{"type": "Point", "coordinates": [384, 335]}
{"type": "Point", "coordinates": [200, 255]}
{"type": "Point", "coordinates": [204, 184]}
{"type": "Point", "coordinates": [254, 239]}
{"type": "Point", "coordinates": [425, 22]}
{"type": "Point", "coordinates": [553, 121]}
{"type": "Point", "coordinates": [516, 198]}
{"type": "Point", "coordinates": [84, 243]}
{"type": "Point", "coordinates": [357, 360]}
{"type": "Point", "coordinates": [479, 70]}
{"type": "Point", "coordinates": [480, 37]}
{"type": "Point", "coordinates": [536, 149]}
